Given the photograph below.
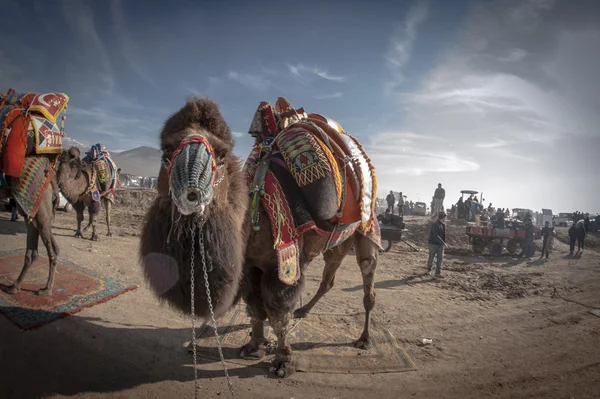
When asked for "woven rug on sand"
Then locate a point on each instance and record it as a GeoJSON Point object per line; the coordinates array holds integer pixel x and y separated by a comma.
{"type": "Point", "coordinates": [322, 343]}
{"type": "Point", "coordinates": [75, 288]}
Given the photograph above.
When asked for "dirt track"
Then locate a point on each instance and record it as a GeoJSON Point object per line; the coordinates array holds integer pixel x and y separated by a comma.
{"type": "Point", "coordinates": [498, 325]}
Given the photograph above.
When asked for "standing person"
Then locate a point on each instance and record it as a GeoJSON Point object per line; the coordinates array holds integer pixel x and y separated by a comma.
{"type": "Point", "coordinates": [580, 235]}
{"type": "Point", "coordinates": [467, 206]}
{"type": "Point", "coordinates": [411, 206]}
{"type": "Point", "coordinates": [572, 238]}
{"type": "Point", "coordinates": [460, 208]}
{"type": "Point", "coordinates": [437, 243]}
{"type": "Point", "coordinates": [547, 234]}
{"type": "Point", "coordinates": [586, 222]}
{"type": "Point", "coordinates": [438, 199]}
{"type": "Point", "coordinates": [390, 201]}
{"type": "Point", "coordinates": [401, 205]}
{"type": "Point", "coordinates": [529, 235]}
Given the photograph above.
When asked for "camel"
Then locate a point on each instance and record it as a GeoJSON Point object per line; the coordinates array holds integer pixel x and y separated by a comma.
{"type": "Point", "coordinates": [30, 141]}
{"type": "Point", "coordinates": [266, 296]}
{"type": "Point", "coordinates": [169, 238]}
{"type": "Point", "coordinates": [198, 216]}
{"type": "Point", "coordinates": [74, 176]}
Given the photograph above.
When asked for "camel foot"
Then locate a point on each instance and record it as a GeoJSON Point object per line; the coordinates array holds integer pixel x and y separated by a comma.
{"type": "Point", "coordinates": [109, 234]}
{"type": "Point", "coordinates": [94, 237]}
{"type": "Point", "coordinates": [364, 342]}
{"type": "Point", "coordinates": [13, 290]}
{"type": "Point", "coordinates": [281, 368]}
{"type": "Point", "coordinates": [301, 313]}
{"type": "Point", "coordinates": [253, 350]}
{"type": "Point", "coordinates": [78, 234]}
{"type": "Point", "coordinates": [45, 292]}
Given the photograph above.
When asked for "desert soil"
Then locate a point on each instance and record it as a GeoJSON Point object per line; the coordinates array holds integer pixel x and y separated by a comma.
{"type": "Point", "coordinates": [501, 327]}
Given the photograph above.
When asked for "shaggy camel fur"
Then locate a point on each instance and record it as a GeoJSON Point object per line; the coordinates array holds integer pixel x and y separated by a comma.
{"type": "Point", "coordinates": [166, 240]}
{"type": "Point", "coordinates": [74, 184]}
{"type": "Point", "coordinates": [40, 227]}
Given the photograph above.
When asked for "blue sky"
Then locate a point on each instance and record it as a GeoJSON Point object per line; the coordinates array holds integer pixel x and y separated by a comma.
{"type": "Point", "coordinates": [482, 95]}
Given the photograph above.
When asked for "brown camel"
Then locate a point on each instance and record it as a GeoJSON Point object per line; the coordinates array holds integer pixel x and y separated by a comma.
{"type": "Point", "coordinates": [73, 176]}
{"type": "Point", "coordinates": [40, 226]}
{"type": "Point", "coordinates": [269, 298]}
{"type": "Point", "coordinates": [209, 231]}
{"type": "Point", "coordinates": [169, 231]}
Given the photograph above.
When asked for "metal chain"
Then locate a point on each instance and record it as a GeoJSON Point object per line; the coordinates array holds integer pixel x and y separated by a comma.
{"type": "Point", "coordinates": [210, 307]}
{"type": "Point", "coordinates": [192, 289]}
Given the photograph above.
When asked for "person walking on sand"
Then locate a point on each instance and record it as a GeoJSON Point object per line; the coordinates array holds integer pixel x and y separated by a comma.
{"type": "Point", "coordinates": [580, 235]}
{"type": "Point", "coordinates": [437, 243]}
{"type": "Point", "coordinates": [572, 238]}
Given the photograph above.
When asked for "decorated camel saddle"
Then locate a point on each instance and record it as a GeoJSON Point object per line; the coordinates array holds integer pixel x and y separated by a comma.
{"type": "Point", "coordinates": [102, 173]}
{"type": "Point", "coordinates": [30, 142]}
{"type": "Point", "coordinates": [308, 174]}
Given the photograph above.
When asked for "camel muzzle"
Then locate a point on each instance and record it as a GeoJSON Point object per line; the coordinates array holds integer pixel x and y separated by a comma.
{"type": "Point", "coordinates": [192, 173]}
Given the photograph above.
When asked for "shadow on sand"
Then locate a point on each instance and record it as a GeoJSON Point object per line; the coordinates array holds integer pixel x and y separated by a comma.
{"type": "Point", "coordinates": [77, 354]}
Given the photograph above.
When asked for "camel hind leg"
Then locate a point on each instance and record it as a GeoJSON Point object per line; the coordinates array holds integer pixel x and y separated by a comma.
{"type": "Point", "coordinates": [333, 259]}
{"type": "Point", "coordinates": [107, 207]}
{"type": "Point", "coordinates": [366, 255]}
{"type": "Point", "coordinates": [93, 210]}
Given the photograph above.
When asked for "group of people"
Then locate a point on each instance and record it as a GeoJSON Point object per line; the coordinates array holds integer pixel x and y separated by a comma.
{"type": "Point", "coordinates": [405, 207]}
{"type": "Point", "coordinates": [466, 209]}
{"type": "Point", "coordinates": [577, 232]}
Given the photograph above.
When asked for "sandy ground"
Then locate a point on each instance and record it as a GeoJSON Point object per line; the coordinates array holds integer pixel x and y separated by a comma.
{"type": "Point", "coordinates": [501, 327]}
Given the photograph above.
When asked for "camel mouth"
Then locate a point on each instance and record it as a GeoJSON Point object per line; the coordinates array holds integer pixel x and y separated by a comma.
{"type": "Point", "coordinates": [192, 173]}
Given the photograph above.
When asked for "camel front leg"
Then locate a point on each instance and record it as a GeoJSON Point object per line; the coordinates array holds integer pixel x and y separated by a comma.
{"type": "Point", "coordinates": [333, 259]}
{"type": "Point", "coordinates": [31, 255]}
{"type": "Point", "coordinates": [366, 256]}
{"type": "Point", "coordinates": [282, 364]}
{"type": "Point", "coordinates": [107, 207]}
{"type": "Point", "coordinates": [251, 293]}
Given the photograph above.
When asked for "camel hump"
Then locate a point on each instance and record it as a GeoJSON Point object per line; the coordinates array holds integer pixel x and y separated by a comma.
{"type": "Point", "coordinates": [314, 169]}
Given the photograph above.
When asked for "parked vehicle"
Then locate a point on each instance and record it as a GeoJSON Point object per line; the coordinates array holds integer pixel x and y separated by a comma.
{"type": "Point", "coordinates": [420, 209]}
{"type": "Point", "coordinates": [563, 220]}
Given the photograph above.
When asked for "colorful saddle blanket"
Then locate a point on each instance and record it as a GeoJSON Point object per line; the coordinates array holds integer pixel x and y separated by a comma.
{"type": "Point", "coordinates": [299, 173]}
{"type": "Point", "coordinates": [103, 173]}
{"type": "Point", "coordinates": [28, 190]}
{"type": "Point", "coordinates": [28, 126]}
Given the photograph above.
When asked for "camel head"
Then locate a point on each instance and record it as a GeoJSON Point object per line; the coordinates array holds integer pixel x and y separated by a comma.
{"type": "Point", "coordinates": [70, 159]}
{"type": "Point", "coordinates": [195, 142]}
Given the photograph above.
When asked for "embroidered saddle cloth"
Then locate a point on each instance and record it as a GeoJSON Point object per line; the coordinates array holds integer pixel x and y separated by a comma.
{"type": "Point", "coordinates": [102, 174]}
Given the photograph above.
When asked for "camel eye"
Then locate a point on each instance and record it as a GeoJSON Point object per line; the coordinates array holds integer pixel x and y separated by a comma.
{"type": "Point", "coordinates": [165, 160]}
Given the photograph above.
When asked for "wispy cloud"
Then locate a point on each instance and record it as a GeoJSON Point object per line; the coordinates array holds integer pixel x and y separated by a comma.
{"type": "Point", "coordinates": [252, 81]}
{"type": "Point", "coordinates": [80, 19]}
{"type": "Point", "coordinates": [307, 73]}
{"type": "Point", "coordinates": [402, 43]}
{"type": "Point", "coordinates": [337, 94]}
{"type": "Point", "coordinates": [238, 134]}
{"type": "Point", "coordinates": [128, 47]}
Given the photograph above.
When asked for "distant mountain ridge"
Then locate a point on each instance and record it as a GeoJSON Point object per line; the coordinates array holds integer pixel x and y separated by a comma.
{"type": "Point", "coordinates": [140, 161]}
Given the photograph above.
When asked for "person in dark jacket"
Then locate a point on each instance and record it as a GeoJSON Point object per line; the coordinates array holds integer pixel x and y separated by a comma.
{"type": "Point", "coordinates": [437, 243]}
{"type": "Point", "coordinates": [586, 222]}
{"type": "Point", "coordinates": [390, 201]}
{"type": "Point", "coordinates": [572, 238]}
{"type": "Point", "coordinates": [580, 235]}
{"type": "Point", "coordinates": [547, 235]}
{"type": "Point", "coordinates": [529, 236]}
